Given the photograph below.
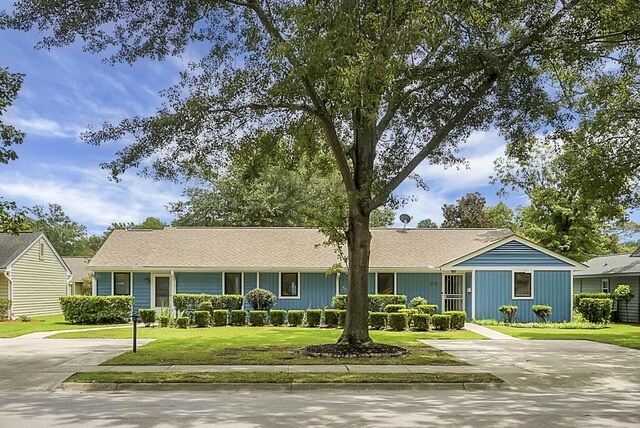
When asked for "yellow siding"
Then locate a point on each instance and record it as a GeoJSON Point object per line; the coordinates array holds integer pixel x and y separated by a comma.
{"type": "Point", "coordinates": [37, 284]}
{"type": "Point", "coordinates": [4, 286]}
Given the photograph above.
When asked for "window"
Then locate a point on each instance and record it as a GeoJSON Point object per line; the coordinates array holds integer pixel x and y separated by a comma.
{"type": "Point", "coordinates": [605, 285]}
{"type": "Point", "coordinates": [162, 292]}
{"type": "Point", "coordinates": [289, 285]}
{"type": "Point", "coordinates": [121, 284]}
{"type": "Point", "coordinates": [41, 255]}
{"type": "Point", "coordinates": [523, 285]}
{"type": "Point", "coordinates": [232, 283]}
{"type": "Point", "coordinates": [386, 283]}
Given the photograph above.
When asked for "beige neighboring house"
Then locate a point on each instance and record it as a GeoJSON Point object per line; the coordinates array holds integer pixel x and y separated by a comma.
{"type": "Point", "coordinates": [79, 272]}
{"type": "Point", "coordinates": [32, 274]}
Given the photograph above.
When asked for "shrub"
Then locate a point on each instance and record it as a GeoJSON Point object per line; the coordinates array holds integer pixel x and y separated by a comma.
{"type": "Point", "coordinates": [164, 320]}
{"type": "Point", "coordinates": [5, 305]}
{"type": "Point", "coordinates": [331, 317]}
{"type": "Point", "coordinates": [96, 309]}
{"type": "Point", "coordinates": [339, 301]}
{"type": "Point", "coordinates": [24, 318]}
{"type": "Point", "coordinates": [147, 316]}
{"type": "Point", "coordinates": [342, 318]}
{"type": "Point", "coordinates": [230, 302]}
{"type": "Point", "coordinates": [220, 317]}
{"type": "Point", "coordinates": [202, 318]}
{"type": "Point", "coordinates": [182, 322]}
{"type": "Point", "coordinates": [624, 294]}
{"type": "Point", "coordinates": [422, 322]}
{"type": "Point", "coordinates": [441, 321]}
{"type": "Point", "coordinates": [427, 309]}
{"type": "Point", "coordinates": [206, 306]}
{"type": "Point", "coordinates": [458, 318]}
{"type": "Point", "coordinates": [377, 302]}
{"type": "Point", "coordinates": [378, 320]}
{"type": "Point", "coordinates": [258, 318]}
{"type": "Point", "coordinates": [394, 308]}
{"type": "Point", "coordinates": [238, 317]}
{"type": "Point", "coordinates": [596, 310]}
{"type": "Point", "coordinates": [296, 318]}
{"type": "Point", "coordinates": [508, 313]}
{"type": "Point", "coordinates": [410, 313]}
{"type": "Point", "coordinates": [542, 312]}
{"type": "Point", "coordinates": [417, 301]}
{"type": "Point", "coordinates": [577, 298]}
{"type": "Point", "coordinates": [189, 303]}
{"type": "Point", "coordinates": [398, 321]}
{"type": "Point", "coordinates": [314, 316]}
{"type": "Point", "coordinates": [278, 317]}
{"type": "Point", "coordinates": [261, 299]}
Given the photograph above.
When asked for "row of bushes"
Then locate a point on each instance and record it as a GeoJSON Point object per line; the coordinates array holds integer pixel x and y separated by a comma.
{"type": "Point", "coordinates": [510, 312]}
{"type": "Point", "coordinates": [96, 309]}
{"type": "Point", "coordinates": [377, 302]}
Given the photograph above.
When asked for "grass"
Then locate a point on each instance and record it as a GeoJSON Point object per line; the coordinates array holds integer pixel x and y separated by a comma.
{"type": "Point", "coordinates": [626, 335]}
{"type": "Point", "coordinates": [279, 377]}
{"type": "Point", "coordinates": [546, 325]}
{"type": "Point", "coordinates": [264, 345]}
{"type": "Point", "coordinates": [40, 323]}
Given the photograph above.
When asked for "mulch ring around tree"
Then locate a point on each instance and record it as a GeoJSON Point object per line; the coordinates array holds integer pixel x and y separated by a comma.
{"type": "Point", "coordinates": [354, 351]}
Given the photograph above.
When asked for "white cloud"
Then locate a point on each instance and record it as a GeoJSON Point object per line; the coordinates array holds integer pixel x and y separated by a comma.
{"type": "Point", "coordinates": [32, 124]}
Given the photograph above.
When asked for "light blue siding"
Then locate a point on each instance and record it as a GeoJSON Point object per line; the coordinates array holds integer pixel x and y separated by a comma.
{"type": "Point", "coordinates": [250, 282]}
{"type": "Point", "coordinates": [494, 288]}
{"type": "Point", "coordinates": [269, 281]}
{"type": "Point", "coordinates": [141, 290]}
{"type": "Point", "coordinates": [198, 282]}
{"type": "Point", "coordinates": [316, 291]}
{"type": "Point", "coordinates": [344, 283]}
{"type": "Point", "coordinates": [427, 285]}
{"type": "Point", "coordinates": [514, 254]}
{"type": "Point", "coordinates": [103, 283]}
{"type": "Point", "coordinates": [467, 296]}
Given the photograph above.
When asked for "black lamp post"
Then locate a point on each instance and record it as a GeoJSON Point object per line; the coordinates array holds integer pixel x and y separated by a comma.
{"type": "Point", "coordinates": [134, 319]}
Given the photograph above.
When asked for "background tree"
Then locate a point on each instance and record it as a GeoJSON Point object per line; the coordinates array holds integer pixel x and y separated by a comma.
{"type": "Point", "coordinates": [623, 293]}
{"type": "Point", "coordinates": [468, 211]}
{"type": "Point", "coordinates": [389, 83]}
{"type": "Point", "coordinates": [151, 223]}
{"type": "Point", "coordinates": [63, 233]}
{"type": "Point", "coordinates": [427, 223]}
{"type": "Point", "coordinates": [502, 216]}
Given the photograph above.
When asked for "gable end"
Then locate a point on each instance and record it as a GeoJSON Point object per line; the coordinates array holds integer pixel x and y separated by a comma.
{"type": "Point", "coordinates": [513, 253]}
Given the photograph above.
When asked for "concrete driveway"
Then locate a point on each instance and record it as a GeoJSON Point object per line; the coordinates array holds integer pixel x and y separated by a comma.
{"type": "Point", "coordinates": [551, 365]}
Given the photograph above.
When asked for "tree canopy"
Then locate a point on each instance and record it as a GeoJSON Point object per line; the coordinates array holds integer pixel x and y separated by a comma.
{"type": "Point", "coordinates": [468, 211]}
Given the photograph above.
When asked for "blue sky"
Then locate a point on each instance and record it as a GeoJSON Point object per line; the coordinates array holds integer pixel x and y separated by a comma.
{"type": "Point", "coordinates": [66, 90]}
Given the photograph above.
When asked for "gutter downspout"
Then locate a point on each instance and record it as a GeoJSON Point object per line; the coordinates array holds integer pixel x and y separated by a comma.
{"type": "Point", "coordinates": [7, 274]}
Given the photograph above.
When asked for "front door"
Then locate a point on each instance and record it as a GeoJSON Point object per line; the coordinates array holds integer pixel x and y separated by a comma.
{"type": "Point", "coordinates": [453, 292]}
{"type": "Point", "coordinates": [161, 292]}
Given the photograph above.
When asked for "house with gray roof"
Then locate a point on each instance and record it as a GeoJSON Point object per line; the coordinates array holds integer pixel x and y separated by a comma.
{"type": "Point", "coordinates": [79, 273]}
{"type": "Point", "coordinates": [32, 274]}
{"type": "Point", "coordinates": [475, 270]}
{"type": "Point", "coordinates": [606, 273]}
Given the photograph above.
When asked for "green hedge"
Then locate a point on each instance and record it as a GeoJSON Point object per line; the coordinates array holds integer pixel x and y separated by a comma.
{"type": "Point", "coordinates": [314, 317]}
{"type": "Point", "coordinates": [296, 318]}
{"type": "Point", "coordinates": [220, 317]}
{"type": "Point", "coordinates": [410, 313]}
{"type": "Point", "coordinates": [542, 312]}
{"type": "Point", "coordinates": [207, 306]}
{"type": "Point", "coordinates": [509, 313]}
{"type": "Point", "coordinates": [331, 317]}
{"type": "Point", "coordinates": [189, 303]}
{"type": "Point", "coordinates": [278, 316]}
{"type": "Point", "coordinates": [202, 318]}
{"type": "Point", "coordinates": [422, 322]}
{"type": "Point", "coordinates": [394, 308]}
{"type": "Point", "coordinates": [458, 318]}
{"type": "Point", "coordinates": [398, 321]}
{"type": "Point", "coordinates": [147, 316]}
{"type": "Point", "coordinates": [377, 302]}
{"type": "Point", "coordinates": [427, 309]}
{"type": "Point", "coordinates": [258, 318]}
{"type": "Point", "coordinates": [441, 321]}
{"type": "Point", "coordinates": [579, 296]}
{"type": "Point", "coordinates": [597, 311]}
{"type": "Point", "coordinates": [96, 309]}
{"type": "Point", "coordinates": [378, 320]}
{"type": "Point", "coordinates": [238, 317]}
{"type": "Point", "coordinates": [164, 320]}
{"type": "Point", "coordinates": [182, 322]}
{"type": "Point", "coordinates": [261, 299]}
{"type": "Point", "coordinates": [342, 318]}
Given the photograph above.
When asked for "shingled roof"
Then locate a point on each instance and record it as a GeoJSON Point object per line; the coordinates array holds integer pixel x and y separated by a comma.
{"type": "Point", "coordinates": [78, 266]}
{"type": "Point", "coordinates": [282, 248]}
{"type": "Point", "coordinates": [615, 264]}
{"type": "Point", "coordinates": [12, 245]}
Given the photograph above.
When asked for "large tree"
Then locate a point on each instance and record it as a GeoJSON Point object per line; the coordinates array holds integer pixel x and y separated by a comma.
{"type": "Point", "coordinates": [64, 233]}
{"type": "Point", "coordinates": [389, 83]}
{"type": "Point", "coordinates": [468, 211]}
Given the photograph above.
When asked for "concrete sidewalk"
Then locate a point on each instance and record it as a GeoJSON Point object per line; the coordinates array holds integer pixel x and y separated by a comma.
{"type": "Point", "coordinates": [43, 334]}
{"type": "Point", "coordinates": [487, 332]}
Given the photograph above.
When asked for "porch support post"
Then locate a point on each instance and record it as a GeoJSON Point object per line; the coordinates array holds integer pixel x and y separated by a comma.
{"type": "Point", "coordinates": [473, 295]}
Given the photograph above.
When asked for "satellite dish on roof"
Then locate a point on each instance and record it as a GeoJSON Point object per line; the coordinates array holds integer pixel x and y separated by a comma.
{"type": "Point", "coordinates": [405, 218]}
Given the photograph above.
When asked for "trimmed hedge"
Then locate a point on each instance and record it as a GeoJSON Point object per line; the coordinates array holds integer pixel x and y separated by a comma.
{"type": "Point", "coordinates": [342, 318]}
{"type": "Point", "coordinates": [5, 305]}
{"type": "Point", "coordinates": [278, 317]}
{"type": "Point", "coordinates": [239, 317]}
{"type": "Point", "coordinates": [458, 318]}
{"type": "Point", "coordinates": [422, 322]}
{"type": "Point", "coordinates": [202, 318]}
{"type": "Point", "coordinates": [147, 316]}
{"type": "Point", "coordinates": [296, 318]}
{"type": "Point", "coordinates": [410, 313]}
{"type": "Point", "coordinates": [96, 309]}
{"type": "Point", "coordinates": [597, 311]}
{"type": "Point", "coordinates": [206, 306]}
{"type": "Point", "coordinates": [394, 308]}
{"type": "Point", "coordinates": [398, 321]}
{"type": "Point", "coordinates": [377, 302]}
{"type": "Point", "coordinates": [427, 309]}
{"type": "Point", "coordinates": [314, 317]}
{"type": "Point", "coordinates": [579, 296]}
{"type": "Point", "coordinates": [331, 317]}
{"type": "Point", "coordinates": [189, 303]}
{"type": "Point", "coordinates": [508, 312]}
{"type": "Point", "coordinates": [258, 318]}
{"type": "Point", "coordinates": [378, 320]}
{"type": "Point", "coordinates": [441, 321]}
{"type": "Point", "coordinates": [339, 301]}
{"type": "Point", "coordinates": [261, 299]}
{"type": "Point", "coordinates": [164, 320]}
{"type": "Point", "coordinates": [182, 322]}
{"type": "Point", "coordinates": [220, 317]}
{"type": "Point", "coordinates": [417, 301]}
{"type": "Point", "coordinates": [542, 312]}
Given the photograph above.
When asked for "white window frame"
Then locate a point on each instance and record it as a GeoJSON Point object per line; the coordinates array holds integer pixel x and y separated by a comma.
{"type": "Point", "coordinates": [153, 289]}
{"type": "Point", "coordinates": [395, 282]}
{"type": "Point", "coordinates": [113, 283]}
{"type": "Point", "coordinates": [241, 282]}
{"type": "Point", "coordinates": [608, 286]}
{"type": "Point", "coordinates": [513, 284]}
{"type": "Point", "coordinates": [280, 296]}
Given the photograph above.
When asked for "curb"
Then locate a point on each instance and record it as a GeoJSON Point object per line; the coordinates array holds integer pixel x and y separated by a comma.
{"type": "Point", "coordinates": [273, 387]}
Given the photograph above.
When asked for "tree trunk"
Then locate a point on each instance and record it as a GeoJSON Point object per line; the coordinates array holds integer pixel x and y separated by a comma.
{"type": "Point", "coordinates": [356, 328]}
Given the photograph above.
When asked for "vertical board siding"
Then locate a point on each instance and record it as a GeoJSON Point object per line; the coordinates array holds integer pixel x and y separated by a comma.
{"type": "Point", "coordinates": [198, 282]}
{"type": "Point", "coordinates": [269, 281]}
{"type": "Point", "coordinates": [344, 283]}
{"type": "Point", "coordinates": [38, 284]}
{"type": "Point", "coordinates": [467, 296]}
{"type": "Point", "coordinates": [494, 288]}
{"type": "Point", "coordinates": [103, 283]}
{"type": "Point", "coordinates": [250, 283]}
{"type": "Point", "coordinates": [141, 283]}
{"type": "Point", "coordinates": [316, 291]}
{"type": "Point", "coordinates": [372, 283]}
{"type": "Point", "coordinates": [514, 254]}
{"type": "Point", "coordinates": [427, 285]}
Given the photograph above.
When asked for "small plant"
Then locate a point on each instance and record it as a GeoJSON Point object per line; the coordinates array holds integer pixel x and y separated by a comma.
{"type": "Point", "coordinates": [542, 312]}
{"type": "Point", "coordinates": [508, 312]}
{"type": "Point", "coordinates": [624, 294]}
{"type": "Point", "coordinates": [5, 305]}
{"type": "Point", "coordinates": [220, 317]}
{"type": "Point", "coordinates": [164, 321]}
{"type": "Point", "coordinates": [441, 321]}
{"type": "Point", "coordinates": [182, 322]}
{"type": "Point", "coordinates": [202, 318]}
{"type": "Point", "coordinates": [342, 318]}
{"type": "Point", "coordinates": [417, 301]}
{"type": "Point", "coordinates": [165, 312]}
{"type": "Point", "coordinates": [296, 318]}
{"type": "Point", "coordinates": [24, 318]}
{"type": "Point", "coordinates": [458, 318]}
{"type": "Point", "coordinates": [394, 308]}
{"type": "Point", "coordinates": [314, 316]}
{"type": "Point", "coordinates": [378, 320]}
{"type": "Point", "coordinates": [147, 316]}
{"type": "Point", "coordinates": [238, 317]}
{"type": "Point", "coordinates": [422, 322]}
{"type": "Point", "coordinates": [331, 317]}
{"type": "Point", "coordinates": [398, 321]}
{"type": "Point", "coordinates": [258, 318]}
{"type": "Point", "coordinates": [207, 306]}
{"type": "Point", "coordinates": [261, 299]}
{"type": "Point", "coordinates": [278, 317]}
{"type": "Point", "coordinates": [427, 309]}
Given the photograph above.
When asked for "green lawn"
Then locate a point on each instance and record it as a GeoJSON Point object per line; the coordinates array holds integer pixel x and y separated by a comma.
{"type": "Point", "coordinates": [279, 377]}
{"type": "Point", "coordinates": [615, 334]}
{"type": "Point", "coordinates": [264, 345]}
{"type": "Point", "coordinates": [42, 323]}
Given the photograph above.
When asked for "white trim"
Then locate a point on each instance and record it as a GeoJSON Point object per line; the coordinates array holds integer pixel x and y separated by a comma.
{"type": "Point", "coordinates": [473, 295]}
{"type": "Point", "coordinates": [571, 296]}
{"type": "Point", "coordinates": [395, 282]}
{"type": "Point", "coordinates": [464, 289]}
{"type": "Point", "coordinates": [602, 280]}
{"type": "Point", "coordinates": [520, 268]}
{"type": "Point", "coordinates": [250, 269]}
{"type": "Point", "coordinates": [152, 290]}
{"type": "Point", "coordinates": [337, 283]}
{"type": "Point", "coordinates": [241, 282]}
{"type": "Point", "coordinates": [94, 284]}
{"type": "Point", "coordinates": [513, 284]}
{"type": "Point", "coordinates": [173, 288]}
{"type": "Point", "coordinates": [455, 262]}
{"type": "Point", "coordinates": [257, 279]}
{"type": "Point", "coordinates": [113, 283]}
{"type": "Point", "coordinates": [298, 287]}
{"type": "Point", "coordinates": [7, 274]}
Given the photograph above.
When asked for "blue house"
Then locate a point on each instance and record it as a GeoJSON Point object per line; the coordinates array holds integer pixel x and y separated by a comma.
{"type": "Point", "coordinates": [475, 270]}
